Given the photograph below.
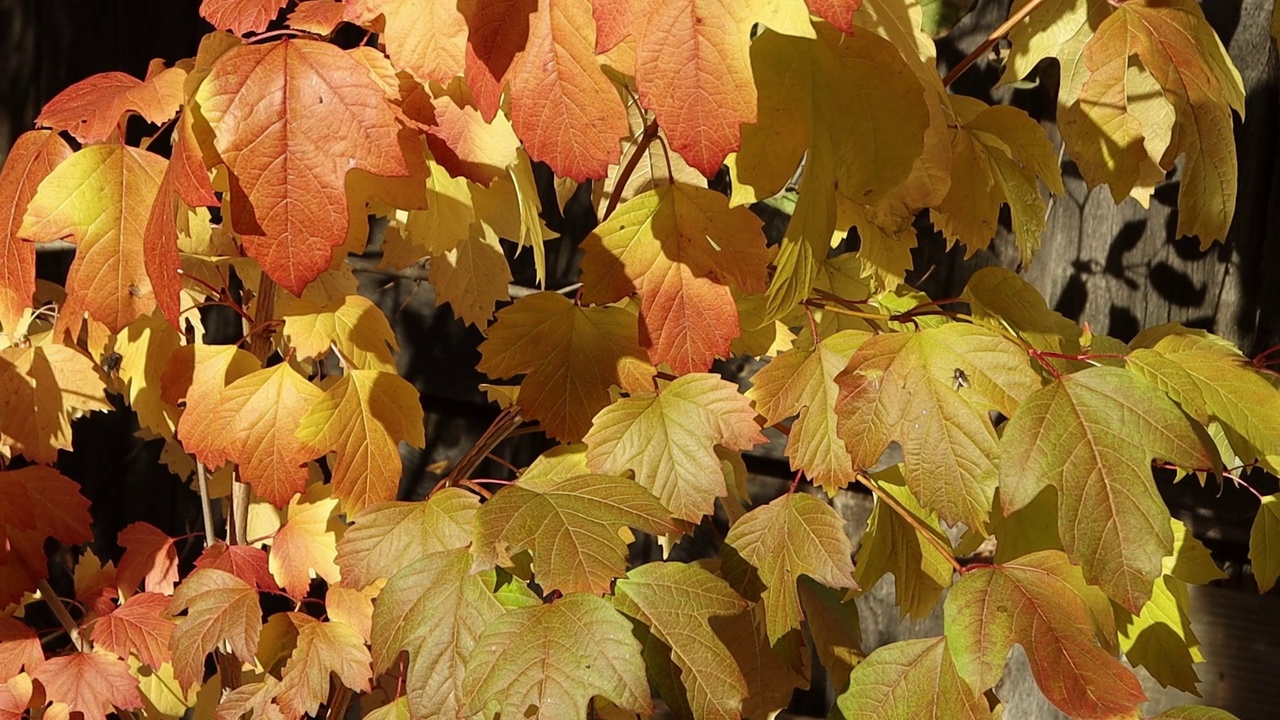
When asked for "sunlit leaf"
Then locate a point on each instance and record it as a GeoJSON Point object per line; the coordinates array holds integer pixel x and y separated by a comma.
{"type": "Point", "coordinates": [911, 678]}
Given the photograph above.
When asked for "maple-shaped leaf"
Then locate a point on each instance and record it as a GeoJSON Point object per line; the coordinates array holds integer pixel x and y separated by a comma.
{"type": "Point", "coordinates": [892, 545]}
{"type": "Point", "coordinates": [832, 619]}
{"type": "Point", "coordinates": [354, 324]}
{"type": "Point", "coordinates": [246, 562]}
{"type": "Point", "coordinates": [94, 109]}
{"type": "Point", "coordinates": [323, 648]}
{"type": "Point", "coordinates": [676, 601]}
{"type": "Point", "coordinates": [42, 501]}
{"type": "Point", "coordinates": [15, 697]}
{"type": "Point", "coordinates": [472, 277]}
{"type": "Point", "coordinates": [95, 584]}
{"type": "Point", "coordinates": [215, 367]}
{"type": "Point", "coordinates": [427, 56]}
{"type": "Point", "coordinates": [668, 440]}
{"type": "Point", "coordinates": [497, 31]}
{"type": "Point", "coordinates": [902, 387]}
{"type": "Point", "coordinates": [1041, 602]}
{"type": "Point", "coordinates": [570, 356]}
{"type": "Point", "coordinates": [434, 609]}
{"type": "Point", "coordinates": [385, 534]}
{"type": "Point", "coordinates": [1212, 382]}
{"type": "Point", "coordinates": [42, 389]}
{"type": "Point", "coordinates": [255, 699]}
{"type": "Point", "coordinates": [1092, 435]}
{"type": "Point", "coordinates": [305, 545]}
{"type": "Point", "coordinates": [141, 626]}
{"type": "Point", "coordinates": [1264, 542]}
{"type": "Point", "coordinates": [220, 607]}
{"type": "Point", "coordinates": [680, 247]}
{"type": "Point", "coordinates": [362, 418]}
{"type": "Point", "coordinates": [571, 524]}
{"type": "Point", "coordinates": [32, 157]}
{"type": "Point", "coordinates": [773, 671]}
{"type": "Point", "coordinates": [317, 16]}
{"type": "Point", "coordinates": [802, 382]}
{"type": "Point", "coordinates": [911, 678]}
{"type": "Point", "coordinates": [792, 536]}
{"type": "Point", "coordinates": [145, 347]}
{"type": "Point", "coordinates": [241, 16]}
{"type": "Point", "coordinates": [94, 197]}
{"type": "Point", "coordinates": [1001, 298]}
{"type": "Point", "coordinates": [300, 99]}
{"type": "Point", "coordinates": [999, 156]}
{"type": "Point", "coordinates": [563, 106]}
{"type": "Point", "coordinates": [19, 648]}
{"type": "Point", "coordinates": [258, 417]}
{"type": "Point", "coordinates": [149, 555]}
{"type": "Point", "coordinates": [1160, 637]}
{"type": "Point", "coordinates": [90, 683]}
{"type": "Point", "coordinates": [532, 662]}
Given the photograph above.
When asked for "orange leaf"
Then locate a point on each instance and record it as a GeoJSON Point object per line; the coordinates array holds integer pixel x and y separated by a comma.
{"type": "Point", "coordinates": [466, 144]}
{"type": "Point", "coordinates": [149, 555]}
{"type": "Point", "coordinates": [94, 197]}
{"type": "Point", "coordinates": [92, 683]}
{"type": "Point", "coordinates": [837, 12]}
{"type": "Point", "coordinates": [497, 31]}
{"type": "Point", "coordinates": [141, 625]}
{"type": "Point", "coordinates": [92, 109]}
{"type": "Point", "coordinates": [300, 99]}
{"type": "Point", "coordinates": [246, 562]}
{"type": "Point", "coordinates": [41, 390]}
{"type": "Point", "coordinates": [19, 648]}
{"type": "Point", "coordinates": [259, 416]}
{"type": "Point", "coordinates": [563, 106]}
{"type": "Point", "coordinates": [362, 418]}
{"type": "Point", "coordinates": [241, 16]}
{"type": "Point", "coordinates": [95, 584]}
{"type": "Point", "coordinates": [316, 16]}
{"type": "Point", "coordinates": [323, 648]}
{"type": "Point", "coordinates": [435, 55]}
{"type": "Point", "coordinates": [220, 606]}
{"type": "Point", "coordinates": [42, 500]}
{"type": "Point", "coordinates": [33, 156]}
{"type": "Point", "coordinates": [216, 367]}
{"type": "Point", "coordinates": [305, 546]}
{"type": "Point", "coordinates": [15, 695]}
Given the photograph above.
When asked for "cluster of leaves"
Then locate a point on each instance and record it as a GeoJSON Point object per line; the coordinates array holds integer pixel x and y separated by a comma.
{"type": "Point", "coordinates": [1014, 424]}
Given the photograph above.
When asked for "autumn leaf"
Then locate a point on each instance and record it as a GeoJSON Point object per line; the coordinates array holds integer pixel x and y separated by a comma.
{"type": "Point", "coordinates": [141, 626]}
{"type": "Point", "coordinates": [384, 534]}
{"type": "Point", "coordinates": [772, 672]}
{"type": "Point", "coordinates": [1264, 539]}
{"type": "Point", "coordinates": [150, 556]}
{"type": "Point", "coordinates": [15, 697]}
{"type": "Point", "coordinates": [267, 101]}
{"type": "Point", "coordinates": [42, 389]}
{"type": "Point", "coordinates": [526, 662]}
{"type": "Point", "coordinates": [215, 367]}
{"type": "Point", "coordinates": [681, 248]}
{"type": "Point", "coordinates": [32, 157]}
{"type": "Point", "coordinates": [91, 683]}
{"type": "Point", "coordinates": [832, 619]}
{"type": "Point", "coordinates": [435, 609]}
{"type": "Point", "coordinates": [428, 56]}
{"type": "Point", "coordinates": [317, 16]}
{"type": "Point", "coordinates": [570, 356]}
{"type": "Point", "coordinates": [668, 440]}
{"type": "Point", "coordinates": [41, 500]}
{"type": "Point", "coordinates": [95, 108]}
{"type": "Point", "coordinates": [802, 382]}
{"type": "Point", "coordinates": [792, 536]}
{"type": "Point", "coordinates": [256, 699]}
{"type": "Point", "coordinates": [563, 106]}
{"type": "Point", "coordinates": [497, 31]}
{"type": "Point", "coordinates": [892, 545]}
{"type": "Point", "coordinates": [323, 648]}
{"type": "Point", "coordinates": [1092, 435]}
{"type": "Point", "coordinates": [362, 418]}
{"type": "Point", "coordinates": [19, 648]}
{"type": "Point", "coordinates": [91, 198]}
{"type": "Point", "coordinates": [911, 678]}
{"type": "Point", "coordinates": [472, 277]}
{"type": "Point", "coordinates": [902, 388]}
{"type": "Point", "coordinates": [676, 602]}
{"type": "Point", "coordinates": [241, 16]}
{"type": "Point", "coordinates": [1194, 712]}
{"type": "Point", "coordinates": [306, 545]}
{"type": "Point", "coordinates": [246, 562]}
{"type": "Point", "coordinates": [95, 584]}
{"type": "Point", "coordinates": [1041, 602]}
{"type": "Point", "coordinates": [220, 607]}
{"type": "Point", "coordinates": [571, 525]}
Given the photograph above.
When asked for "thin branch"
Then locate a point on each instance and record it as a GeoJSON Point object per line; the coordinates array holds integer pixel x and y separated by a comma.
{"type": "Point", "coordinates": [60, 611]}
{"type": "Point", "coordinates": [991, 40]}
{"type": "Point", "coordinates": [202, 480]}
{"type": "Point", "coordinates": [925, 531]}
{"type": "Point", "coordinates": [615, 195]}
{"type": "Point", "coordinates": [501, 428]}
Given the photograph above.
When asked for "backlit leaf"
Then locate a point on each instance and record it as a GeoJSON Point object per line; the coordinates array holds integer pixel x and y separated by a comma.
{"type": "Point", "coordinates": [472, 277]}
{"type": "Point", "coordinates": [141, 626]}
{"type": "Point", "coordinates": [428, 56]}
{"type": "Point", "coordinates": [1160, 638]}
{"type": "Point", "coordinates": [220, 607]}
{"type": "Point", "coordinates": [771, 671]}
{"type": "Point", "coordinates": [792, 536]}
{"type": "Point", "coordinates": [241, 16]}
{"type": "Point", "coordinates": [19, 648]}
{"type": "Point", "coordinates": [215, 367]}
{"type": "Point", "coordinates": [323, 648]}
{"type": "Point", "coordinates": [246, 562]}
{"type": "Point", "coordinates": [150, 556]}
{"type": "Point", "coordinates": [668, 440]}
{"type": "Point", "coordinates": [41, 390]}
{"type": "Point", "coordinates": [892, 545]}
{"type": "Point", "coordinates": [305, 546]}
{"type": "Point", "coordinates": [911, 678]}
{"type": "Point", "coordinates": [91, 683]}
{"type": "Point", "coordinates": [93, 109]}
{"type": "Point", "coordinates": [1264, 543]}
{"type": "Point", "coordinates": [529, 662]}
{"type": "Point", "coordinates": [386, 533]}
{"type": "Point", "coordinates": [32, 157]}
{"type": "Point", "coordinates": [357, 326]}
{"type": "Point", "coordinates": [832, 620]}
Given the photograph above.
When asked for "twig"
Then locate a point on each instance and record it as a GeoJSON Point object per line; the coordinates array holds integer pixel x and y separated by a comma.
{"type": "Point", "coordinates": [991, 40]}
{"type": "Point", "coordinates": [502, 427]}
{"type": "Point", "coordinates": [615, 195]}
{"type": "Point", "coordinates": [60, 611]}
{"type": "Point", "coordinates": [202, 481]}
{"type": "Point", "coordinates": [922, 529]}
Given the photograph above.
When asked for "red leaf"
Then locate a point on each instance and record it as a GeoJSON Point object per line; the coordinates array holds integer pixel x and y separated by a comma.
{"type": "Point", "coordinates": [92, 683]}
{"type": "Point", "coordinates": [93, 108]}
{"type": "Point", "coordinates": [497, 31]}
{"type": "Point", "coordinates": [314, 104]}
{"type": "Point", "coordinates": [149, 555]}
{"type": "Point", "coordinates": [41, 499]}
{"type": "Point", "coordinates": [19, 648]}
{"type": "Point", "coordinates": [220, 606]}
{"type": "Point", "coordinates": [244, 561]}
{"type": "Point", "coordinates": [837, 12]}
{"type": "Point", "coordinates": [141, 626]}
{"type": "Point", "coordinates": [241, 16]}
{"type": "Point", "coordinates": [33, 156]}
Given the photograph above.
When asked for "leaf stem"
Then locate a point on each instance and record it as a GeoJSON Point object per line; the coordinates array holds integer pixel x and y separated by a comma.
{"type": "Point", "coordinates": [615, 195]}
{"type": "Point", "coordinates": [501, 428]}
{"type": "Point", "coordinates": [923, 530]}
{"type": "Point", "coordinates": [995, 36]}
{"type": "Point", "coordinates": [60, 611]}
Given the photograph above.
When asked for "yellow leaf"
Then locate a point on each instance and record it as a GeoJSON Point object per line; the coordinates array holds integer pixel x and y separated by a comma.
{"type": "Point", "coordinates": [41, 390]}
{"type": "Point", "coordinates": [472, 277]}
{"type": "Point", "coordinates": [353, 323]}
{"type": "Point", "coordinates": [306, 546]}
{"type": "Point", "coordinates": [145, 346]}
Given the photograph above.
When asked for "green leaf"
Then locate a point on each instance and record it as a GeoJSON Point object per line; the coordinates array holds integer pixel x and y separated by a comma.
{"type": "Point", "coordinates": [795, 535]}
{"type": "Point", "coordinates": [547, 662]}
{"type": "Point", "coordinates": [571, 525]}
{"type": "Point", "coordinates": [1092, 435]}
{"type": "Point", "coordinates": [676, 602]}
{"type": "Point", "coordinates": [434, 609]}
{"type": "Point", "coordinates": [1041, 602]}
{"type": "Point", "coordinates": [902, 387]}
{"type": "Point", "coordinates": [386, 534]}
{"type": "Point", "coordinates": [942, 15]}
{"type": "Point", "coordinates": [1213, 382]}
{"type": "Point", "coordinates": [1160, 639]}
{"type": "Point", "coordinates": [833, 623]}
{"type": "Point", "coordinates": [912, 678]}
{"type": "Point", "coordinates": [891, 545]}
{"type": "Point", "coordinates": [1001, 298]}
{"type": "Point", "coordinates": [1190, 561]}
{"type": "Point", "coordinates": [668, 439]}
{"type": "Point", "coordinates": [1264, 543]}
{"type": "Point", "coordinates": [802, 382]}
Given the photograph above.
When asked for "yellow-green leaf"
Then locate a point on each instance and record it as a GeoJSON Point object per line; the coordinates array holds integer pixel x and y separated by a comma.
{"type": "Point", "coordinates": [912, 678]}
{"type": "Point", "coordinates": [891, 545]}
{"type": "Point", "coordinates": [1264, 543]}
{"type": "Point", "coordinates": [384, 534]}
